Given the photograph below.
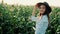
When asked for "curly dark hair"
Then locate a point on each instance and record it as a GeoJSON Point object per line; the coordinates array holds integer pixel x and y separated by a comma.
{"type": "Point", "coordinates": [48, 8]}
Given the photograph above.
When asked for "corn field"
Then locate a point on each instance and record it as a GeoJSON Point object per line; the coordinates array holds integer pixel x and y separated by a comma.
{"type": "Point", "coordinates": [15, 20]}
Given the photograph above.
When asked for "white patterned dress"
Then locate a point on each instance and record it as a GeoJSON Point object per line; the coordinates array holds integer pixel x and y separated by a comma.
{"type": "Point", "coordinates": [41, 24]}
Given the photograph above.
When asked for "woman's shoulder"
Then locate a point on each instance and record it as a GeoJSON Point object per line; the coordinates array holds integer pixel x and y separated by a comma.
{"type": "Point", "coordinates": [45, 17]}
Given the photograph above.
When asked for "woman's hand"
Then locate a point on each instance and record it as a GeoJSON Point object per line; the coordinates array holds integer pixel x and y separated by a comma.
{"type": "Point", "coordinates": [34, 9]}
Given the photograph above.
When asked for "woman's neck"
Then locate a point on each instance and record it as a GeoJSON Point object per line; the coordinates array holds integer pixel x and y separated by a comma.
{"type": "Point", "coordinates": [40, 16]}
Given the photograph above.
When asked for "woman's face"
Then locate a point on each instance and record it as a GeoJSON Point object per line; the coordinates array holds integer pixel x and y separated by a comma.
{"type": "Point", "coordinates": [42, 9]}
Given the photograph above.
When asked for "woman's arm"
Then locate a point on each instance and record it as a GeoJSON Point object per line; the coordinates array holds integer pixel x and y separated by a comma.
{"type": "Point", "coordinates": [33, 18]}
{"type": "Point", "coordinates": [34, 9]}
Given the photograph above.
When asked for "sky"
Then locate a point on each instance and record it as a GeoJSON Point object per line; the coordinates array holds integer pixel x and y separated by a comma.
{"type": "Point", "coordinates": [32, 2]}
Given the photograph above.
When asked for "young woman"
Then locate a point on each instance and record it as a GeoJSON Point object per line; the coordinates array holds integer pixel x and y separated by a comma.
{"type": "Point", "coordinates": [42, 20]}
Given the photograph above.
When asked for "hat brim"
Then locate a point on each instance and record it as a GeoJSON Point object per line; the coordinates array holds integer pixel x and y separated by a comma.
{"type": "Point", "coordinates": [39, 4]}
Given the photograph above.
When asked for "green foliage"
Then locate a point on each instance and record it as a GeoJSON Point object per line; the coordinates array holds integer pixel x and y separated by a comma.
{"type": "Point", "coordinates": [54, 28]}
{"type": "Point", "coordinates": [15, 20]}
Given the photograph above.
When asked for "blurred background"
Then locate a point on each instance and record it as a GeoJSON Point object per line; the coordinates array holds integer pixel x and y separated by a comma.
{"type": "Point", "coordinates": [14, 16]}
